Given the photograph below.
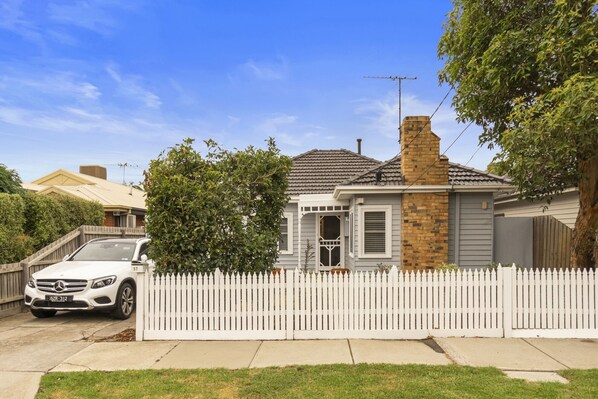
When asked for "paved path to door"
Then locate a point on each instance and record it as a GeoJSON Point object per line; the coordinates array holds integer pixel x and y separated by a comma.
{"type": "Point", "coordinates": [30, 347]}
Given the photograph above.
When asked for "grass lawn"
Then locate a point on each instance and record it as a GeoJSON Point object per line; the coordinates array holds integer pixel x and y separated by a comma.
{"type": "Point", "coordinates": [333, 381]}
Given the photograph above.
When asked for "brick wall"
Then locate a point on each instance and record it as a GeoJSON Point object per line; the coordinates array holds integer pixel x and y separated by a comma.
{"type": "Point", "coordinates": [424, 217]}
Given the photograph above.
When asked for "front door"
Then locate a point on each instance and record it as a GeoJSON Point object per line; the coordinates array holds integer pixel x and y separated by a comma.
{"type": "Point", "coordinates": [330, 243]}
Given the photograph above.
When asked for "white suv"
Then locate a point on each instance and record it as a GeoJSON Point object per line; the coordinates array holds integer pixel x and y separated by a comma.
{"type": "Point", "coordinates": [98, 275]}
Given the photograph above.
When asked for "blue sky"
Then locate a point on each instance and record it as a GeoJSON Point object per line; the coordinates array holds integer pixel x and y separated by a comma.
{"type": "Point", "coordinates": [108, 82]}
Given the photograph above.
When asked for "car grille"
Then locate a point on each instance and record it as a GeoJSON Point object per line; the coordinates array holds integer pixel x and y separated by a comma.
{"type": "Point", "coordinates": [70, 286]}
{"type": "Point", "coordinates": [60, 305]}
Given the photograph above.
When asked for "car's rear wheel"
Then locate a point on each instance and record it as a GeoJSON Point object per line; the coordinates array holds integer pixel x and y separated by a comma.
{"type": "Point", "coordinates": [125, 302]}
{"type": "Point", "coordinates": [42, 314]}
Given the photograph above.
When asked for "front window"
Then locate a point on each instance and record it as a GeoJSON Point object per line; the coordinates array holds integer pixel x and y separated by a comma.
{"type": "Point", "coordinates": [105, 251]}
{"type": "Point", "coordinates": [375, 231]}
{"type": "Point", "coordinates": [285, 242]}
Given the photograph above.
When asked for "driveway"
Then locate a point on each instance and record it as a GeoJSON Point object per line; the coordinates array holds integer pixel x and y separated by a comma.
{"type": "Point", "coordinates": [30, 346]}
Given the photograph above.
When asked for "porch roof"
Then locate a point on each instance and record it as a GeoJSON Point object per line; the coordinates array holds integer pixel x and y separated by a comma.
{"type": "Point", "coordinates": [321, 203]}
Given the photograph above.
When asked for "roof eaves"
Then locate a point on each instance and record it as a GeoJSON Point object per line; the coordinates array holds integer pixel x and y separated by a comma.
{"type": "Point", "coordinates": [505, 180]}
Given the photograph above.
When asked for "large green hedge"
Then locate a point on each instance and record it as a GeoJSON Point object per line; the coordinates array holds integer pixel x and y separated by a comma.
{"type": "Point", "coordinates": [30, 222]}
{"type": "Point", "coordinates": [49, 217]}
{"type": "Point", "coordinates": [219, 211]}
{"type": "Point", "coordinates": [14, 245]}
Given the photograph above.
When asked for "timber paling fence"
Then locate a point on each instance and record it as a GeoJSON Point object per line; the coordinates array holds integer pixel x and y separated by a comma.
{"type": "Point", "coordinates": [14, 276]}
{"type": "Point", "coordinates": [505, 302]}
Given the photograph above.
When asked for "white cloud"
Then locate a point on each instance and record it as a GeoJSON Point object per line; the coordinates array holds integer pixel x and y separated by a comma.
{"type": "Point", "coordinates": [13, 19]}
{"type": "Point", "coordinates": [94, 15]}
{"type": "Point", "coordinates": [131, 87]}
{"type": "Point", "coordinates": [290, 132]}
{"type": "Point", "coordinates": [382, 114]}
{"type": "Point", "coordinates": [264, 70]}
{"type": "Point", "coordinates": [52, 85]}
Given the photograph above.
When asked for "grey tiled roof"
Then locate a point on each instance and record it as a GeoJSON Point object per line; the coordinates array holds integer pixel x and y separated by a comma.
{"type": "Point", "coordinates": [320, 171]}
{"type": "Point", "coordinates": [390, 175]}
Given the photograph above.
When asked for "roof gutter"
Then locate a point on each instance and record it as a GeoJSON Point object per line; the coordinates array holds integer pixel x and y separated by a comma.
{"type": "Point", "coordinates": [341, 191]}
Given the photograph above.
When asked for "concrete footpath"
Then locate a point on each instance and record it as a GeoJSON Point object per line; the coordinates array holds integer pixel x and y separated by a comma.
{"type": "Point", "coordinates": [30, 347]}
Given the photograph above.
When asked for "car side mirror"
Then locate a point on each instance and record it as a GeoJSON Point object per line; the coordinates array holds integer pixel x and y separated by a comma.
{"type": "Point", "coordinates": [143, 258]}
{"type": "Point", "coordinates": [65, 258]}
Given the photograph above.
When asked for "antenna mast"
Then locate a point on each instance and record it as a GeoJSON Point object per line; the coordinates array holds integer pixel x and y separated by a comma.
{"type": "Point", "coordinates": [399, 80]}
{"type": "Point", "coordinates": [124, 166]}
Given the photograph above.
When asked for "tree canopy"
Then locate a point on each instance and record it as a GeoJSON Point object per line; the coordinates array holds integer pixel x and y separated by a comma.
{"type": "Point", "coordinates": [10, 182]}
{"type": "Point", "coordinates": [221, 211]}
{"type": "Point", "coordinates": [527, 72]}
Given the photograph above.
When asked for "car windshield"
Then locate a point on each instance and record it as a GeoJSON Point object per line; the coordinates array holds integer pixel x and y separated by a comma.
{"type": "Point", "coordinates": [106, 251]}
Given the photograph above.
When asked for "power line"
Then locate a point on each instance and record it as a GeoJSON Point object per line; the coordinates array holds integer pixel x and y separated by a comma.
{"type": "Point", "coordinates": [428, 121]}
{"type": "Point", "coordinates": [445, 151]}
{"type": "Point", "coordinates": [473, 155]}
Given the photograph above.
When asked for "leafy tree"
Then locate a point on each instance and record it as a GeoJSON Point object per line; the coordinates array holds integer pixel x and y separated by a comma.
{"type": "Point", "coordinates": [219, 211]}
{"type": "Point", "coordinates": [10, 182]}
{"type": "Point", "coordinates": [527, 72]}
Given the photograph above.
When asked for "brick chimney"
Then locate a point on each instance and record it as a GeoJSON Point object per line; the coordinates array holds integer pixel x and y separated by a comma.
{"type": "Point", "coordinates": [93, 170]}
{"type": "Point", "coordinates": [424, 216]}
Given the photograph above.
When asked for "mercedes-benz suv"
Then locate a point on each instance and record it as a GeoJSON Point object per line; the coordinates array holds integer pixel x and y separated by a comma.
{"type": "Point", "coordinates": [98, 275]}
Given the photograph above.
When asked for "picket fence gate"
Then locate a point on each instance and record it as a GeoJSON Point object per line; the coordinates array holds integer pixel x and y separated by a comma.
{"type": "Point", "coordinates": [505, 302]}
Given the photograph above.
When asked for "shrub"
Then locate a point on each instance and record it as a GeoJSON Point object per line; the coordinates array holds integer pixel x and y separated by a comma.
{"type": "Point", "coordinates": [49, 217]}
{"type": "Point", "coordinates": [447, 267]}
{"type": "Point", "coordinates": [222, 211]}
{"type": "Point", "coordinates": [14, 245]}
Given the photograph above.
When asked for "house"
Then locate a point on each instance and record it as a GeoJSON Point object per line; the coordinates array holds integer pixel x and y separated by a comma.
{"type": "Point", "coordinates": [124, 206]}
{"type": "Point", "coordinates": [416, 210]}
{"type": "Point", "coordinates": [563, 207]}
{"type": "Point", "coordinates": [534, 233]}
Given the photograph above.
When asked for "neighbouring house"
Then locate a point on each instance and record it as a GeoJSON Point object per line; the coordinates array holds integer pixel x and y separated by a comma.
{"type": "Point", "coordinates": [534, 233]}
{"type": "Point", "coordinates": [563, 207]}
{"type": "Point", "coordinates": [417, 210]}
{"type": "Point", "coordinates": [124, 206]}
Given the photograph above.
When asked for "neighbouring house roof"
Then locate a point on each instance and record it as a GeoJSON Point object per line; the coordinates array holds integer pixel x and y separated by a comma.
{"type": "Point", "coordinates": [320, 171]}
{"type": "Point", "coordinates": [459, 175]}
{"type": "Point", "coordinates": [112, 196]}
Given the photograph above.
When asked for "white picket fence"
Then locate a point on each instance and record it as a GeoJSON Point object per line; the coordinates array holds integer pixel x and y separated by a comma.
{"type": "Point", "coordinates": [396, 305]}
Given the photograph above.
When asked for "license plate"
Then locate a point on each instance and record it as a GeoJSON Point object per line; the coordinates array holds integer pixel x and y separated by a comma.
{"type": "Point", "coordinates": [59, 298]}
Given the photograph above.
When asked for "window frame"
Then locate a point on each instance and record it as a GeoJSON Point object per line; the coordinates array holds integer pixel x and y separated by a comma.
{"type": "Point", "coordinates": [351, 233]}
{"type": "Point", "coordinates": [289, 251]}
{"type": "Point", "coordinates": [387, 209]}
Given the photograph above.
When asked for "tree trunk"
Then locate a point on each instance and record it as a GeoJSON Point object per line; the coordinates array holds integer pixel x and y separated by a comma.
{"type": "Point", "coordinates": [584, 246]}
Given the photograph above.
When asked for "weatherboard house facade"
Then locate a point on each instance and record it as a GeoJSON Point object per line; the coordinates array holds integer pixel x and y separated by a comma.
{"type": "Point", "coordinates": [416, 211]}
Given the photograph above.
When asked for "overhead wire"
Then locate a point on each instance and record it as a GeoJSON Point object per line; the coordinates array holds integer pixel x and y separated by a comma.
{"type": "Point", "coordinates": [427, 122]}
{"type": "Point", "coordinates": [445, 151]}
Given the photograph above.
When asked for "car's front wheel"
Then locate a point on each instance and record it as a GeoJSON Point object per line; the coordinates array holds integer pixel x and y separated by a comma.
{"type": "Point", "coordinates": [125, 302]}
{"type": "Point", "coordinates": [42, 314]}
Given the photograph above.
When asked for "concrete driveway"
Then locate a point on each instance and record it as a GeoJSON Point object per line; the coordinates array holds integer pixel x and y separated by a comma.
{"type": "Point", "coordinates": [29, 346]}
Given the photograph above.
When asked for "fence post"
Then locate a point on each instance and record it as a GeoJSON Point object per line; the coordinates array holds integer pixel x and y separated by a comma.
{"type": "Point", "coordinates": [141, 271]}
{"type": "Point", "coordinates": [289, 306]}
{"type": "Point", "coordinates": [25, 271]}
{"type": "Point", "coordinates": [81, 239]}
{"type": "Point", "coordinates": [507, 306]}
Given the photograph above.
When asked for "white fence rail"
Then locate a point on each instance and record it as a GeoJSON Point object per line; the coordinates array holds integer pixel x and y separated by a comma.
{"type": "Point", "coordinates": [395, 305]}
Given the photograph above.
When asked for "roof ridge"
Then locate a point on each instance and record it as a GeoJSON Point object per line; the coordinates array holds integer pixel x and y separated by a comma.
{"type": "Point", "coordinates": [504, 179]}
{"type": "Point", "coordinates": [336, 150]}
{"type": "Point", "coordinates": [305, 153]}
{"type": "Point", "coordinates": [377, 167]}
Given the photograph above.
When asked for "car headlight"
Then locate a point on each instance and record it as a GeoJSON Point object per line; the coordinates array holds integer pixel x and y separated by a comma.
{"type": "Point", "coordinates": [103, 282]}
{"type": "Point", "coordinates": [31, 282]}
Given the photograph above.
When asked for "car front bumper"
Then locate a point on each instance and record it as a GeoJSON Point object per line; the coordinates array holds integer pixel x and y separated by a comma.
{"type": "Point", "coordinates": [89, 299]}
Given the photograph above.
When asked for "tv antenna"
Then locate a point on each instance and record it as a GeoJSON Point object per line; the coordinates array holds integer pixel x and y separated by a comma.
{"type": "Point", "coordinates": [399, 80]}
{"type": "Point", "coordinates": [124, 166]}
